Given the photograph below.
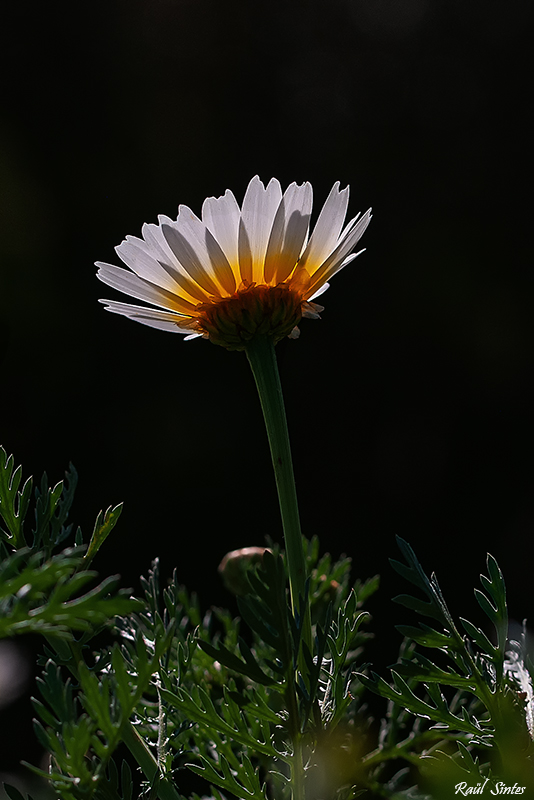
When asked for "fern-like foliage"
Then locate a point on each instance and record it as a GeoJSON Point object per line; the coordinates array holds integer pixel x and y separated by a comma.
{"type": "Point", "coordinates": [46, 588]}
{"type": "Point", "coordinates": [82, 722]}
{"type": "Point", "coordinates": [471, 699]}
{"type": "Point", "coordinates": [14, 503]}
{"type": "Point", "coordinates": [249, 705]}
{"type": "Point", "coordinates": [232, 706]}
{"type": "Point", "coordinates": [42, 591]}
{"type": "Point", "coordinates": [39, 595]}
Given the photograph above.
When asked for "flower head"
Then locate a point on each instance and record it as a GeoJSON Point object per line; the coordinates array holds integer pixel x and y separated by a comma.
{"type": "Point", "coordinates": [236, 272]}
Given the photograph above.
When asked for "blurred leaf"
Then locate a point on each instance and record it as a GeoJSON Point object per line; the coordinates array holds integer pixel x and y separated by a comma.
{"type": "Point", "coordinates": [13, 793]}
{"type": "Point", "coordinates": [42, 596]}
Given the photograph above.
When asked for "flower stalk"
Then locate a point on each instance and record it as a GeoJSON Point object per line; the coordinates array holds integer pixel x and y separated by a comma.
{"type": "Point", "coordinates": [262, 359]}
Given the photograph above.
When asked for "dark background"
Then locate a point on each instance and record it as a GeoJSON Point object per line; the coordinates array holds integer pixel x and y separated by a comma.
{"type": "Point", "coordinates": [409, 403]}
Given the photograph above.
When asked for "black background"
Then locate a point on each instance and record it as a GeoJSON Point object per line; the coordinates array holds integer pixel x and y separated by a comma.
{"type": "Point", "coordinates": [409, 403]}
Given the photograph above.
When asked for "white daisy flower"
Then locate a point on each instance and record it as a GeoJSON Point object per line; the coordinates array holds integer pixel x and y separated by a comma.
{"type": "Point", "coordinates": [236, 272]}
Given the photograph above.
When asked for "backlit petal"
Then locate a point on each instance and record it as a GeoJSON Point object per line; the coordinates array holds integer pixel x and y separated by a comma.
{"type": "Point", "coordinates": [136, 255]}
{"type": "Point", "coordinates": [327, 229]}
{"type": "Point", "coordinates": [209, 255]}
{"type": "Point", "coordinates": [335, 260]}
{"type": "Point", "coordinates": [189, 259]}
{"type": "Point", "coordinates": [163, 320]}
{"type": "Point", "coordinates": [260, 205]}
{"type": "Point", "coordinates": [158, 246]}
{"type": "Point", "coordinates": [289, 231]}
{"type": "Point", "coordinates": [221, 216]}
{"type": "Point", "coordinates": [129, 283]}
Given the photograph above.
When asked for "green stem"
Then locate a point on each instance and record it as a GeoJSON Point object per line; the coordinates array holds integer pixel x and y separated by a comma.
{"type": "Point", "coordinates": [297, 772]}
{"type": "Point", "coordinates": [262, 359]}
{"type": "Point", "coordinates": [298, 791]}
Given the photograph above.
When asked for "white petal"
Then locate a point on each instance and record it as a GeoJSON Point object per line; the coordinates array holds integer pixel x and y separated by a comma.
{"type": "Point", "coordinates": [162, 320]}
{"type": "Point", "coordinates": [157, 245]}
{"type": "Point", "coordinates": [350, 225]}
{"type": "Point", "coordinates": [221, 216]}
{"type": "Point", "coordinates": [209, 255]}
{"type": "Point", "coordinates": [333, 271]}
{"type": "Point", "coordinates": [324, 287]}
{"type": "Point", "coordinates": [157, 242]}
{"type": "Point", "coordinates": [290, 228]}
{"type": "Point", "coordinates": [135, 253]}
{"type": "Point", "coordinates": [221, 267]}
{"type": "Point", "coordinates": [245, 253]}
{"type": "Point", "coordinates": [349, 242]}
{"type": "Point", "coordinates": [199, 270]}
{"type": "Point", "coordinates": [258, 212]}
{"type": "Point", "coordinates": [348, 259]}
{"type": "Point", "coordinates": [153, 236]}
{"type": "Point", "coordinates": [336, 259]}
{"type": "Point", "coordinates": [327, 228]}
{"type": "Point", "coordinates": [129, 283]}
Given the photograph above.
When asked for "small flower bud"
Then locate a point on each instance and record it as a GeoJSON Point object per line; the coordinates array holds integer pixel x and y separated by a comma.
{"type": "Point", "coordinates": [234, 566]}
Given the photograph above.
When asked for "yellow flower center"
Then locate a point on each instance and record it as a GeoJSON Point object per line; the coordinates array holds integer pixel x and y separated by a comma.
{"type": "Point", "coordinates": [251, 311]}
